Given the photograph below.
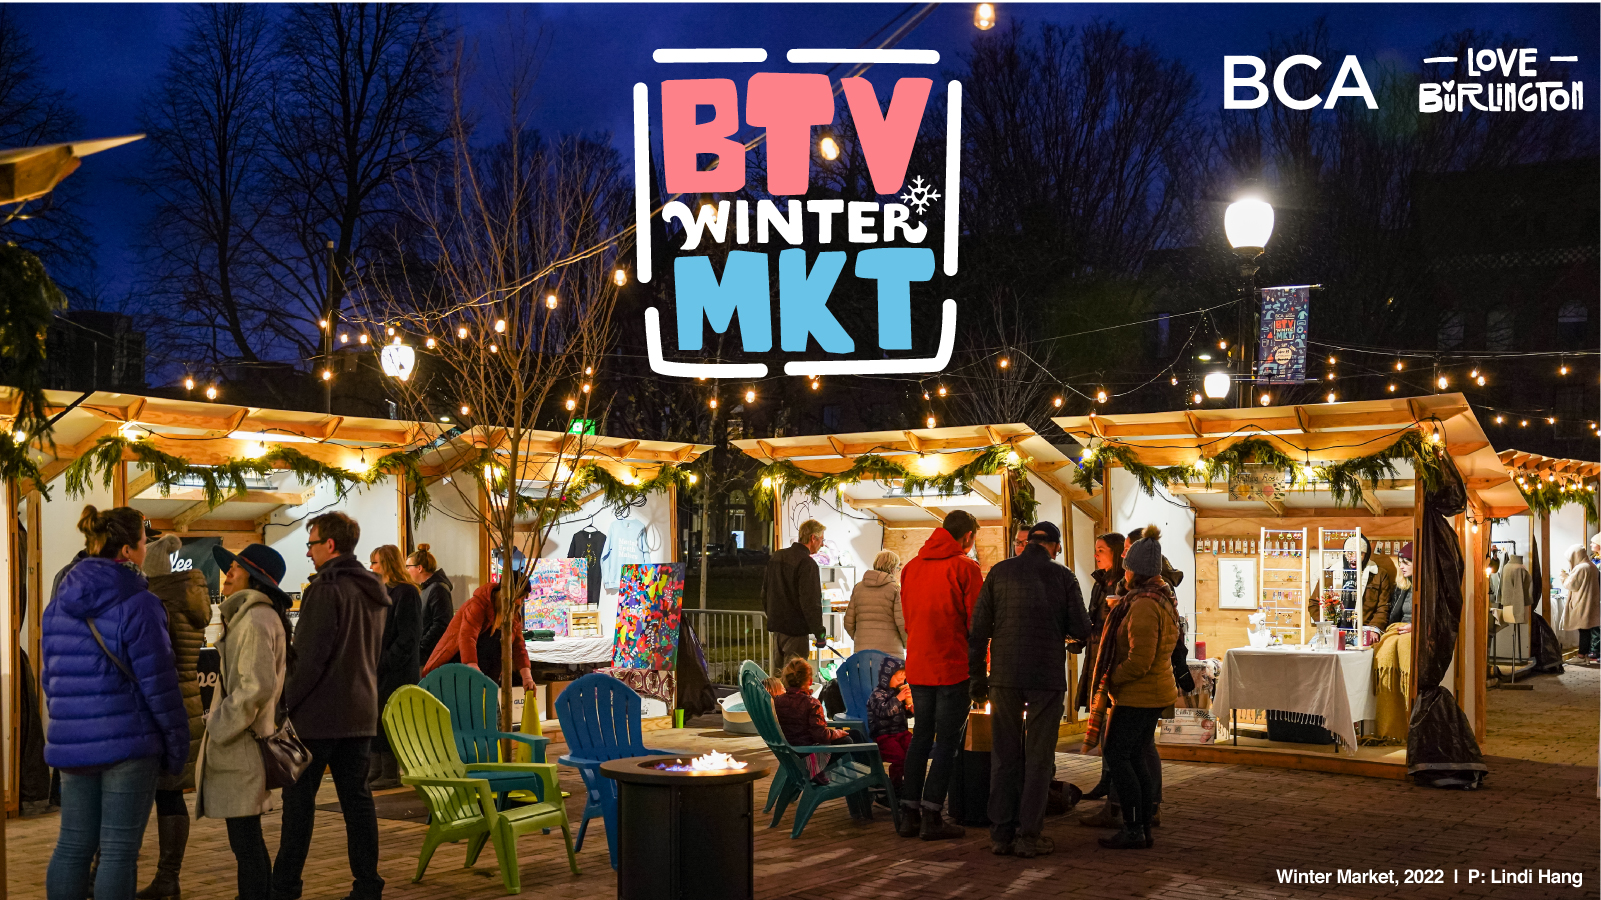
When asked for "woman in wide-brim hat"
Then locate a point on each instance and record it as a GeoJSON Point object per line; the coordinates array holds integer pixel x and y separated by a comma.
{"type": "Point", "coordinates": [256, 655]}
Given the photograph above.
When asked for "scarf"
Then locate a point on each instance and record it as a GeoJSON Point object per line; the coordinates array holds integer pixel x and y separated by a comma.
{"type": "Point", "coordinates": [1107, 660]}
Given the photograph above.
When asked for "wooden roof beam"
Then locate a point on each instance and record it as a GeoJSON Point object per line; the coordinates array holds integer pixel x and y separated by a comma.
{"type": "Point", "coordinates": [838, 445]}
{"type": "Point", "coordinates": [913, 441]}
{"type": "Point", "coordinates": [1370, 499]}
{"type": "Point", "coordinates": [185, 517]}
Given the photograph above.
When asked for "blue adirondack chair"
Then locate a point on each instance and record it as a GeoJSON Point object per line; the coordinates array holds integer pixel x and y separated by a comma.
{"type": "Point", "coordinates": [857, 677]}
{"type": "Point", "coordinates": [474, 703]}
{"type": "Point", "coordinates": [852, 772]}
{"type": "Point", "coordinates": [600, 720]}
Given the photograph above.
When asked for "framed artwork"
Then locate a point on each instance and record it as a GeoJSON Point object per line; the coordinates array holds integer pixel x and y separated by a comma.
{"type": "Point", "coordinates": [555, 585]}
{"type": "Point", "coordinates": [649, 601]}
{"type": "Point", "coordinates": [1236, 583]}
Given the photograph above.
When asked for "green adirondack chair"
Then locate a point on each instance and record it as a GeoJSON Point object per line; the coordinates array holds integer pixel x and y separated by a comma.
{"type": "Point", "coordinates": [854, 770]}
{"type": "Point", "coordinates": [460, 806]}
{"type": "Point", "coordinates": [775, 788]}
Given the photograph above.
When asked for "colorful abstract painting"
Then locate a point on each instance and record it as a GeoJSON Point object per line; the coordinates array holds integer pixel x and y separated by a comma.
{"type": "Point", "coordinates": [556, 585]}
{"type": "Point", "coordinates": [648, 606]}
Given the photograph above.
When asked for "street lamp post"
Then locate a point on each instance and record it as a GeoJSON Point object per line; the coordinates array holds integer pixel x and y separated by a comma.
{"type": "Point", "coordinates": [1248, 223]}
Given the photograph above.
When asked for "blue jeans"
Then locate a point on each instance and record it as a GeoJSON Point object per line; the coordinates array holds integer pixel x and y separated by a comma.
{"type": "Point", "coordinates": [941, 711]}
{"type": "Point", "coordinates": [107, 811]}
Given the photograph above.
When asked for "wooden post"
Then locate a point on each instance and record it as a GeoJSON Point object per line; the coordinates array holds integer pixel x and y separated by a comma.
{"type": "Point", "coordinates": [1067, 531]}
{"type": "Point", "coordinates": [1478, 611]}
{"type": "Point", "coordinates": [1006, 506]}
{"type": "Point", "coordinates": [403, 535]}
{"type": "Point", "coordinates": [1107, 525]}
{"type": "Point", "coordinates": [119, 485]}
{"type": "Point", "coordinates": [1459, 673]}
{"type": "Point", "coordinates": [1545, 566]}
{"type": "Point", "coordinates": [1420, 610]}
{"type": "Point", "coordinates": [13, 684]}
{"type": "Point", "coordinates": [672, 522]}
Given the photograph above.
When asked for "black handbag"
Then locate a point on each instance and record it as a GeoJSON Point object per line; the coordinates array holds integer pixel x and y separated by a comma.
{"type": "Point", "coordinates": [283, 757]}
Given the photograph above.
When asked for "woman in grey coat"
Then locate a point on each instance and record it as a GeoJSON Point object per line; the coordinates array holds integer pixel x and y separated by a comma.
{"type": "Point", "coordinates": [255, 658]}
{"type": "Point", "coordinates": [873, 619]}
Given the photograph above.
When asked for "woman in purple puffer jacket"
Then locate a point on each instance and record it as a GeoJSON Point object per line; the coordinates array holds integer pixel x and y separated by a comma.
{"type": "Point", "coordinates": [116, 713]}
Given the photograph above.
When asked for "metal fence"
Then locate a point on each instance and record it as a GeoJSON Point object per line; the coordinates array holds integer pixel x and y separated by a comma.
{"type": "Point", "coordinates": [729, 637]}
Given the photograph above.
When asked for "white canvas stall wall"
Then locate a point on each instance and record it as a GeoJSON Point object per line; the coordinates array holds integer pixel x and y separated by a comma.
{"type": "Point", "coordinates": [1131, 509]}
{"type": "Point", "coordinates": [59, 537]}
{"type": "Point", "coordinates": [1050, 510]}
{"type": "Point", "coordinates": [375, 507]}
{"type": "Point", "coordinates": [454, 536]}
{"type": "Point", "coordinates": [854, 536]}
{"type": "Point", "coordinates": [9, 575]}
{"type": "Point", "coordinates": [1084, 534]}
{"type": "Point", "coordinates": [657, 540]}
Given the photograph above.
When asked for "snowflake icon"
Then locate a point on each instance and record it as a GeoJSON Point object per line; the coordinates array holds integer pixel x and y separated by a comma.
{"type": "Point", "coordinates": [920, 195]}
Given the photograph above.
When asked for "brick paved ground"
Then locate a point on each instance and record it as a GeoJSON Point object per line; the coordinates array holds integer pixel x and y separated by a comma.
{"type": "Point", "coordinates": [1227, 829]}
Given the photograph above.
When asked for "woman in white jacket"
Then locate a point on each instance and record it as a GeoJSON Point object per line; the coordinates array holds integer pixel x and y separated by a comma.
{"type": "Point", "coordinates": [1582, 612]}
{"type": "Point", "coordinates": [873, 619]}
{"type": "Point", "coordinates": [255, 649]}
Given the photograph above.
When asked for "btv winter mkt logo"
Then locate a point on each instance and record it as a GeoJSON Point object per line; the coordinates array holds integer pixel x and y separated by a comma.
{"type": "Point", "coordinates": [887, 241]}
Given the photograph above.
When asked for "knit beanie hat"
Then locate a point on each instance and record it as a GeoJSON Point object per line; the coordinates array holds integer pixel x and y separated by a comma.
{"type": "Point", "coordinates": [1144, 556]}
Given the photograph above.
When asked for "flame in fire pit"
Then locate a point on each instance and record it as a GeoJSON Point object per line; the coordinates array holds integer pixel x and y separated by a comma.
{"type": "Point", "coordinates": [711, 762]}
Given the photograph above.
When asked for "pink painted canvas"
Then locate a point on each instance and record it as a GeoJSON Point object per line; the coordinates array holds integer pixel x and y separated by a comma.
{"type": "Point", "coordinates": [649, 603]}
{"type": "Point", "coordinates": [555, 585]}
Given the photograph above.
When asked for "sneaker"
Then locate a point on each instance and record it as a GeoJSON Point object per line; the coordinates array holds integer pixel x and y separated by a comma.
{"type": "Point", "coordinates": [1001, 848]}
{"type": "Point", "coordinates": [1028, 847]}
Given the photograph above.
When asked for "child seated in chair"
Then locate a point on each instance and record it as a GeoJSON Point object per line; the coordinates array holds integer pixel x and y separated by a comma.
{"type": "Point", "coordinates": [800, 715]}
{"type": "Point", "coordinates": [886, 716]}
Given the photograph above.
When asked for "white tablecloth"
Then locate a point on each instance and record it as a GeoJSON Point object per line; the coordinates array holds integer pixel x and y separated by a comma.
{"type": "Point", "coordinates": [571, 650]}
{"type": "Point", "coordinates": [1337, 685]}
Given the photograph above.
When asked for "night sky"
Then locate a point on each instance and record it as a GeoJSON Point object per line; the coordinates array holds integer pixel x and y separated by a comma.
{"type": "Point", "coordinates": [107, 55]}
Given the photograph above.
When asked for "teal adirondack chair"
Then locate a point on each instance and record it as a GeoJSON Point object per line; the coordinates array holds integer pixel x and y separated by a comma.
{"type": "Point", "coordinates": [775, 788]}
{"type": "Point", "coordinates": [461, 806]}
{"type": "Point", "coordinates": [852, 773]}
{"type": "Point", "coordinates": [474, 703]}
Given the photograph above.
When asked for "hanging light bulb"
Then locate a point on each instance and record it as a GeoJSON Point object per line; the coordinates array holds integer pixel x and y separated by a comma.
{"type": "Point", "coordinates": [984, 17]}
{"type": "Point", "coordinates": [1194, 398]}
{"type": "Point", "coordinates": [344, 339]}
{"type": "Point", "coordinates": [1216, 385]}
{"type": "Point", "coordinates": [942, 390]}
{"type": "Point", "coordinates": [1480, 381]}
{"type": "Point", "coordinates": [750, 396]}
{"type": "Point", "coordinates": [619, 276]}
{"type": "Point", "coordinates": [693, 478]}
{"type": "Point", "coordinates": [1442, 382]}
{"type": "Point", "coordinates": [322, 323]}
{"type": "Point", "coordinates": [1100, 395]}
{"type": "Point", "coordinates": [465, 410]}
{"type": "Point", "coordinates": [1398, 365]}
{"type": "Point", "coordinates": [189, 384]}
{"type": "Point", "coordinates": [828, 147]}
{"type": "Point", "coordinates": [1174, 380]}
{"type": "Point", "coordinates": [1005, 362]}
{"type": "Point", "coordinates": [714, 403]}
{"type": "Point", "coordinates": [461, 332]}
{"type": "Point", "coordinates": [925, 395]}
{"type": "Point", "coordinates": [362, 338]}
{"type": "Point", "coordinates": [1551, 420]}
{"type": "Point", "coordinates": [391, 331]}
{"type": "Point", "coordinates": [1331, 376]}
{"type": "Point", "coordinates": [500, 326]}
{"type": "Point", "coordinates": [327, 375]}
{"type": "Point", "coordinates": [211, 392]}
{"type": "Point", "coordinates": [1223, 344]}
{"type": "Point", "coordinates": [1331, 360]}
{"type": "Point", "coordinates": [585, 388]}
{"type": "Point", "coordinates": [815, 384]}
{"type": "Point", "coordinates": [1500, 419]}
{"type": "Point", "coordinates": [571, 404]}
{"type": "Point", "coordinates": [1563, 370]}
{"type": "Point", "coordinates": [1266, 399]}
{"type": "Point", "coordinates": [494, 348]}
{"type": "Point", "coordinates": [930, 421]}
{"type": "Point", "coordinates": [19, 436]}
{"type": "Point", "coordinates": [1057, 402]}
{"type": "Point", "coordinates": [1390, 387]}
{"type": "Point", "coordinates": [550, 301]}
{"type": "Point", "coordinates": [1523, 423]}
{"type": "Point", "coordinates": [430, 343]}
{"type": "Point", "coordinates": [1474, 373]}
{"type": "Point", "coordinates": [589, 370]}
{"type": "Point", "coordinates": [1330, 398]}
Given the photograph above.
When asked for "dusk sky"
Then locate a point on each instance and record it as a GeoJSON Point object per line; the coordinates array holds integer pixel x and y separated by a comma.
{"type": "Point", "coordinates": [106, 56]}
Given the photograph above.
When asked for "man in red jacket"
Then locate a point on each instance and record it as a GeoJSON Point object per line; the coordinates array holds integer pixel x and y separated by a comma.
{"type": "Point", "coordinates": [938, 589]}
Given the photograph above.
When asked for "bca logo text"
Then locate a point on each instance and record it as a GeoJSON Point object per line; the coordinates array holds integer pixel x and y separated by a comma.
{"type": "Point", "coordinates": [699, 118]}
{"type": "Point", "coordinates": [1348, 82]}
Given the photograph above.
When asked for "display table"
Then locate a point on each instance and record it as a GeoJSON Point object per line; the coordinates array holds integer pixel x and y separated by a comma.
{"type": "Point", "coordinates": [571, 650]}
{"type": "Point", "coordinates": [1337, 685]}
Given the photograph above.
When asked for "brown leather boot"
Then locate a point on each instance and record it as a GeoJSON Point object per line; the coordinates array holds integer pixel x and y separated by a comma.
{"type": "Point", "coordinates": [1108, 816]}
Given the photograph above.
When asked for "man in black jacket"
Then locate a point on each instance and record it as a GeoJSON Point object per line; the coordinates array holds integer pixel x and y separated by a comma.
{"type": "Point", "coordinates": [792, 594]}
{"type": "Point", "coordinates": [331, 695]}
{"type": "Point", "coordinates": [1027, 610]}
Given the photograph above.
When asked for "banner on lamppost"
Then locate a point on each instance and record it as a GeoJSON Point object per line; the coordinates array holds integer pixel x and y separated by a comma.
{"type": "Point", "coordinates": [1282, 342]}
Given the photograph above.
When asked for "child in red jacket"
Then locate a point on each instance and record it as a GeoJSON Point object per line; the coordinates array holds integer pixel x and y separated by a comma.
{"type": "Point", "coordinates": [800, 715]}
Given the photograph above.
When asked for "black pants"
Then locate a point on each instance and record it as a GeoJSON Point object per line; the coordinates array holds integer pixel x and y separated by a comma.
{"type": "Point", "coordinates": [1022, 759]}
{"type": "Point", "coordinates": [1132, 735]}
{"type": "Point", "coordinates": [250, 849]}
{"type": "Point", "coordinates": [1150, 759]}
{"type": "Point", "coordinates": [170, 803]}
{"type": "Point", "coordinates": [791, 646]}
{"type": "Point", "coordinates": [941, 711]}
{"type": "Point", "coordinates": [347, 759]}
{"type": "Point", "coordinates": [1588, 643]}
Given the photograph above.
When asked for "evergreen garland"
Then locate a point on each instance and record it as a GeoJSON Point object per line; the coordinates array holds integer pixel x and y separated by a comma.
{"type": "Point", "coordinates": [220, 482]}
{"type": "Point", "coordinates": [782, 477]}
{"type": "Point", "coordinates": [1548, 496]}
{"type": "Point", "coordinates": [1345, 478]}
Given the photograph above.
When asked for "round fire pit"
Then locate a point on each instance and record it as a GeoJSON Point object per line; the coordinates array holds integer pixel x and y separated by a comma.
{"type": "Point", "coordinates": [683, 833]}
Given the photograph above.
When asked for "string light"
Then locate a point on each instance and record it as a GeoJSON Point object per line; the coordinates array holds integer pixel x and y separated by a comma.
{"type": "Point", "coordinates": [465, 410]}
{"type": "Point", "coordinates": [494, 348]}
{"type": "Point", "coordinates": [942, 390]}
{"type": "Point", "coordinates": [815, 384]}
{"type": "Point", "coordinates": [19, 436]}
{"type": "Point", "coordinates": [984, 17]}
{"type": "Point", "coordinates": [571, 404]}
{"type": "Point", "coordinates": [1481, 381]}
{"type": "Point", "coordinates": [344, 339]}
{"type": "Point", "coordinates": [925, 395]}
{"type": "Point", "coordinates": [1390, 387]}
{"type": "Point", "coordinates": [322, 323]}
{"type": "Point", "coordinates": [930, 421]}
{"type": "Point", "coordinates": [1195, 398]}
{"type": "Point", "coordinates": [1005, 362]}
{"type": "Point", "coordinates": [1399, 365]}
{"type": "Point", "coordinates": [500, 326]}
{"type": "Point", "coordinates": [211, 392]}
{"type": "Point", "coordinates": [550, 301]}
{"type": "Point", "coordinates": [585, 388]}
{"type": "Point", "coordinates": [1523, 423]}
{"type": "Point", "coordinates": [1442, 382]}
{"type": "Point", "coordinates": [1223, 345]}
{"type": "Point", "coordinates": [828, 147]}
{"type": "Point", "coordinates": [1474, 373]}
{"type": "Point", "coordinates": [1564, 369]}
{"type": "Point", "coordinates": [1331, 397]}
{"type": "Point", "coordinates": [750, 396]}
{"type": "Point", "coordinates": [462, 332]}
{"type": "Point", "coordinates": [1100, 395]}
{"type": "Point", "coordinates": [714, 403]}
{"type": "Point", "coordinates": [1266, 399]}
{"type": "Point", "coordinates": [1174, 380]}
{"type": "Point", "coordinates": [1331, 360]}
{"type": "Point", "coordinates": [1331, 376]}
{"type": "Point", "coordinates": [362, 338]}
{"type": "Point", "coordinates": [188, 384]}
{"type": "Point", "coordinates": [1551, 420]}
{"type": "Point", "coordinates": [430, 343]}
{"type": "Point", "coordinates": [693, 478]}
{"type": "Point", "coordinates": [589, 370]}
{"type": "Point", "coordinates": [1500, 419]}
{"type": "Point", "coordinates": [619, 276]}
{"type": "Point", "coordinates": [391, 331]}
{"type": "Point", "coordinates": [1057, 402]}
{"type": "Point", "coordinates": [327, 375]}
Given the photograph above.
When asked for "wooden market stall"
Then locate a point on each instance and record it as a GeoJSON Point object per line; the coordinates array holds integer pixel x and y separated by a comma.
{"type": "Point", "coordinates": [1562, 498]}
{"type": "Point", "coordinates": [1255, 542]}
{"type": "Point", "coordinates": [1016, 477]}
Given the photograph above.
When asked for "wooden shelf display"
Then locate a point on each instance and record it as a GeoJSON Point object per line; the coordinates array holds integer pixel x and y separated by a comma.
{"type": "Point", "coordinates": [1330, 563]}
{"type": "Point", "coordinates": [1282, 564]}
